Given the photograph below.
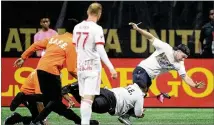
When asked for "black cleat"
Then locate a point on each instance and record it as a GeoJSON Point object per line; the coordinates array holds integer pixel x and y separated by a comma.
{"type": "Point", "coordinates": [13, 119]}
{"type": "Point", "coordinates": [94, 122]}
{"type": "Point", "coordinates": [125, 119]}
{"type": "Point", "coordinates": [16, 101]}
{"type": "Point", "coordinates": [166, 95]}
{"type": "Point", "coordinates": [37, 123]}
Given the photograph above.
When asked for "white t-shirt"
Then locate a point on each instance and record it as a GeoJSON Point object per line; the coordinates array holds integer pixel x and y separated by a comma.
{"type": "Point", "coordinates": [162, 60]}
{"type": "Point", "coordinates": [85, 36]}
{"type": "Point", "coordinates": [128, 98]}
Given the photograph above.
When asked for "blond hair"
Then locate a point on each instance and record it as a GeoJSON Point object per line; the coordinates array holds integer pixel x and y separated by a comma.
{"type": "Point", "coordinates": [94, 9]}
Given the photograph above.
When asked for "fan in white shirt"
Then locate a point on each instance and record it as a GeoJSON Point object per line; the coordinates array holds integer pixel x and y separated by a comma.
{"type": "Point", "coordinates": [164, 59]}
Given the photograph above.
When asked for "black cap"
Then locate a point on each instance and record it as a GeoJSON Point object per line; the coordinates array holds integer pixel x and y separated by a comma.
{"type": "Point", "coordinates": [183, 48]}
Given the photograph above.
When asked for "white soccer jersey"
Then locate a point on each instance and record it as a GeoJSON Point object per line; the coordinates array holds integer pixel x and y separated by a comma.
{"type": "Point", "coordinates": [85, 36]}
{"type": "Point", "coordinates": [162, 60]}
{"type": "Point", "coordinates": [128, 98]}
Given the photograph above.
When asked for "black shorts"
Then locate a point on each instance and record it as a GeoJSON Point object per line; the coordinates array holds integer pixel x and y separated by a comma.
{"type": "Point", "coordinates": [105, 102]}
{"type": "Point", "coordinates": [50, 85]}
{"type": "Point", "coordinates": [141, 78]}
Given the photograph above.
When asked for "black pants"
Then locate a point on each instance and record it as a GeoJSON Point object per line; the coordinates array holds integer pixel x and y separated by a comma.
{"type": "Point", "coordinates": [32, 107]}
{"type": "Point", "coordinates": [30, 102]}
{"type": "Point", "coordinates": [141, 78]}
{"type": "Point", "coordinates": [103, 103]}
{"type": "Point", "coordinates": [34, 112]}
{"type": "Point", "coordinates": [50, 86]}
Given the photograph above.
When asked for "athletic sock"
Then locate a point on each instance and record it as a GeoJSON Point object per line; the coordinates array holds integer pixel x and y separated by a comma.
{"type": "Point", "coordinates": [86, 111]}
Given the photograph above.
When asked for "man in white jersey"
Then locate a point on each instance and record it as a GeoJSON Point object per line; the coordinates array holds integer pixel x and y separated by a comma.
{"type": "Point", "coordinates": [89, 40]}
{"type": "Point", "coordinates": [164, 59]}
{"type": "Point", "coordinates": [116, 101]}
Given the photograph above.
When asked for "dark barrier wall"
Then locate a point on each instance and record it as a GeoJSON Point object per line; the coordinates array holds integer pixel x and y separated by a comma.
{"type": "Point", "coordinates": [173, 22]}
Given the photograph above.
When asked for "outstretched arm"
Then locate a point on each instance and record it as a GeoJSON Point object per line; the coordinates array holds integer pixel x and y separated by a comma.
{"type": "Point", "coordinates": [187, 79]}
{"type": "Point", "coordinates": [148, 35]}
{"type": "Point", "coordinates": [191, 83]}
{"type": "Point", "coordinates": [40, 45]}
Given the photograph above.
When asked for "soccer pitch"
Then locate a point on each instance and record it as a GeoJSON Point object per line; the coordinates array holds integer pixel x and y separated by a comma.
{"type": "Point", "coordinates": [154, 116]}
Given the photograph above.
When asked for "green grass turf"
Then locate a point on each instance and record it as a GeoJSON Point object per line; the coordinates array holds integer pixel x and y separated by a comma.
{"type": "Point", "coordinates": [154, 116]}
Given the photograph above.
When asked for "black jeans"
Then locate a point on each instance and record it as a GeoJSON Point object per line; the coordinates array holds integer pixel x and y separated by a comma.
{"type": "Point", "coordinates": [141, 78]}
{"type": "Point", "coordinates": [103, 103]}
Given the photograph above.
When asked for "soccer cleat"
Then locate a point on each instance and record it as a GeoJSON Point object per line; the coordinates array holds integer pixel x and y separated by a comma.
{"type": "Point", "coordinates": [13, 119]}
{"type": "Point", "coordinates": [125, 119]}
{"type": "Point", "coordinates": [162, 96]}
{"type": "Point", "coordinates": [166, 95]}
{"type": "Point", "coordinates": [37, 123]}
{"type": "Point", "coordinates": [16, 101]}
{"type": "Point", "coordinates": [94, 122]}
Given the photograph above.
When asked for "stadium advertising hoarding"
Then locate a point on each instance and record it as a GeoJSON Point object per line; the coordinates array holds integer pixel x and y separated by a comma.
{"type": "Point", "coordinates": [171, 21]}
{"type": "Point", "coordinates": [182, 95]}
{"type": "Point", "coordinates": [119, 42]}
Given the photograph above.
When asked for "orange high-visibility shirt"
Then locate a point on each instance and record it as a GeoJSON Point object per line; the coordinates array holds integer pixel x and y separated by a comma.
{"type": "Point", "coordinates": [31, 84]}
{"type": "Point", "coordinates": [59, 49]}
